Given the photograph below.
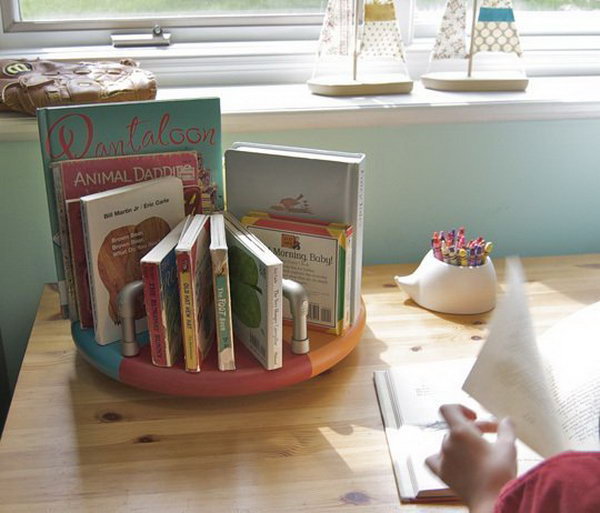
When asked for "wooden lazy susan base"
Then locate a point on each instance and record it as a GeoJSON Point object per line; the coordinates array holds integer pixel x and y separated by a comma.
{"type": "Point", "coordinates": [249, 377]}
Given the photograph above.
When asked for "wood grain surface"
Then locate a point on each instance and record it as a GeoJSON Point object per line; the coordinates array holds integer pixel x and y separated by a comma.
{"type": "Point", "coordinates": [77, 441]}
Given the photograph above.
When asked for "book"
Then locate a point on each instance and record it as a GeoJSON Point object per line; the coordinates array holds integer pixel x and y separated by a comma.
{"type": "Point", "coordinates": [256, 276]}
{"type": "Point", "coordinates": [117, 129]}
{"type": "Point", "coordinates": [195, 291]}
{"type": "Point", "coordinates": [68, 292]}
{"type": "Point", "coordinates": [301, 182]}
{"type": "Point", "coordinates": [316, 255]}
{"type": "Point", "coordinates": [409, 399]}
{"type": "Point", "coordinates": [222, 292]}
{"type": "Point", "coordinates": [550, 389]}
{"type": "Point", "coordinates": [161, 298]}
{"type": "Point", "coordinates": [120, 226]}
{"type": "Point", "coordinates": [76, 178]}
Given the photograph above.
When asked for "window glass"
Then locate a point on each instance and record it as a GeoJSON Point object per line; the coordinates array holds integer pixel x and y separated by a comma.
{"type": "Point", "coordinates": [526, 5]}
{"type": "Point", "coordinates": [44, 10]}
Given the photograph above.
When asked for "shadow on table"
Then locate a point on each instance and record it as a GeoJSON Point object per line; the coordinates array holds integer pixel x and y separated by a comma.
{"type": "Point", "coordinates": [226, 453]}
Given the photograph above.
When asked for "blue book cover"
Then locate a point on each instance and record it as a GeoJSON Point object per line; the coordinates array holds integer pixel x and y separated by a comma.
{"type": "Point", "coordinates": [127, 128]}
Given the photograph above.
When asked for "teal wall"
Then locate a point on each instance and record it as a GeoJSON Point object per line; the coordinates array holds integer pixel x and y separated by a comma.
{"type": "Point", "coordinates": [26, 258]}
{"type": "Point", "coordinates": [531, 187]}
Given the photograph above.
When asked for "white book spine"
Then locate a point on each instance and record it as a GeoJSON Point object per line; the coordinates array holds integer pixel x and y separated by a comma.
{"type": "Point", "coordinates": [222, 302]}
{"type": "Point", "coordinates": [276, 317]}
{"type": "Point", "coordinates": [357, 250]}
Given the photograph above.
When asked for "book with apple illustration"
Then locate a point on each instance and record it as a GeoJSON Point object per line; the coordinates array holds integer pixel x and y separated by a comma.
{"type": "Point", "coordinates": [255, 275]}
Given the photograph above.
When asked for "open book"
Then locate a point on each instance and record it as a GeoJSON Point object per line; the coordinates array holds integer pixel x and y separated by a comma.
{"type": "Point", "coordinates": [550, 390]}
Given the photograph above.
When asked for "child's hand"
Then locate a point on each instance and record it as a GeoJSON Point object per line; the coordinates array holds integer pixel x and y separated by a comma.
{"type": "Point", "coordinates": [473, 467]}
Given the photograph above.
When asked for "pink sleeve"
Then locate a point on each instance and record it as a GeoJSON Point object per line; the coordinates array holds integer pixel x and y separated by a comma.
{"type": "Point", "coordinates": [566, 483]}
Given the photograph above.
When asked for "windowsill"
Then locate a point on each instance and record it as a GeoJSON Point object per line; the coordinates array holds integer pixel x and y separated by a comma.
{"type": "Point", "coordinates": [292, 106]}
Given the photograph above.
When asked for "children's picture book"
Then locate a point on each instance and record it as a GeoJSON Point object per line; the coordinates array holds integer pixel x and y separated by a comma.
{"type": "Point", "coordinates": [307, 183]}
{"type": "Point", "coordinates": [161, 298]}
{"type": "Point", "coordinates": [120, 226]}
{"type": "Point", "coordinates": [550, 390]}
{"type": "Point", "coordinates": [131, 128]}
{"type": "Point", "coordinates": [195, 291]}
{"type": "Point", "coordinates": [256, 276]}
{"type": "Point", "coordinates": [316, 255]}
{"type": "Point", "coordinates": [76, 178]}
{"type": "Point", "coordinates": [222, 292]}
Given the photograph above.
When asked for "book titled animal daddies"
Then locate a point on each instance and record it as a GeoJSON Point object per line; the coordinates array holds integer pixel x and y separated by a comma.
{"type": "Point", "coordinates": [222, 292]}
{"type": "Point", "coordinates": [256, 276]}
{"type": "Point", "coordinates": [161, 298]}
{"type": "Point", "coordinates": [128, 128]}
{"type": "Point", "coordinates": [120, 227]}
{"type": "Point", "coordinates": [317, 255]}
{"type": "Point", "coordinates": [76, 178]}
{"type": "Point", "coordinates": [195, 291]}
{"type": "Point", "coordinates": [301, 182]}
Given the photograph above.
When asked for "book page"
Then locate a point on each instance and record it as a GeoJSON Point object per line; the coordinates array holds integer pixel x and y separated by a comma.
{"type": "Point", "coordinates": [509, 377]}
{"type": "Point", "coordinates": [571, 351]}
{"type": "Point", "coordinates": [430, 441]}
{"type": "Point", "coordinates": [416, 393]}
{"type": "Point", "coordinates": [418, 390]}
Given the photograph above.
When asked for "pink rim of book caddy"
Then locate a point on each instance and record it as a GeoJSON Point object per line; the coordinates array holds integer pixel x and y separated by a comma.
{"type": "Point", "coordinates": [250, 377]}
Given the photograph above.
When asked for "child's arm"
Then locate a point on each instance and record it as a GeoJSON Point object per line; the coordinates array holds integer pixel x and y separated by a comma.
{"type": "Point", "coordinates": [473, 467]}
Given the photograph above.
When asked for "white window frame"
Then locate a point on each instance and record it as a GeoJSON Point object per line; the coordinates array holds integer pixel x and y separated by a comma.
{"type": "Point", "coordinates": [247, 24]}
{"type": "Point", "coordinates": [236, 50]}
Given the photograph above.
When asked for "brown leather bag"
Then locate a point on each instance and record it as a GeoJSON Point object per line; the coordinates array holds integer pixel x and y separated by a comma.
{"type": "Point", "coordinates": [29, 84]}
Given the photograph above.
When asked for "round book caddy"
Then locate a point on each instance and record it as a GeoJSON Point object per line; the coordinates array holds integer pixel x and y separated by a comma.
{"type": "Point", "coordinates": [250, 377]}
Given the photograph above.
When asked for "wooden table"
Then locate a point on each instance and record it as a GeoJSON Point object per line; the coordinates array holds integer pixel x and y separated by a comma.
{"type": "Point", "coordinates": [76, 441]}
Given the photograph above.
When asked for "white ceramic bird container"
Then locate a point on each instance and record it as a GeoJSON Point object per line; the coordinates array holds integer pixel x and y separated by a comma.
{"type": "Point", "coordinates": [452, 289]}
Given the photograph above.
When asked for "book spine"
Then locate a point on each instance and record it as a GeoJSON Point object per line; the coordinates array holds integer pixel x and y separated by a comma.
{"type": "Point", "coordinates": [223, 311]}
{"type": "Point", "coordinates": [188, 324]}
{"type": "Point", "coordinates": [79, 261]}
{"type": "Point", "coordinates": [152, 302]}
{"type": "Point", "coordinates": [170, 308]}
{"type": "Point", "coordinates": [63, 233]}
{"type": "Point", "coordinates": [43, 126]}
{"type": "Point", "coordinates": [358, 242]}
{"type": "Point", "coordinates": [275, 357]}
{"type": "Point", "coordinates": [347, 287]}
{"type": "Point", "coordinates": [90, 264]}
{"type": "Point", "coordinates": [204, 295]}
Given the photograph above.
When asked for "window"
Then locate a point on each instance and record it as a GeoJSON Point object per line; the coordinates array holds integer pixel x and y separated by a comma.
{"type": "Point", "coordinates": [558, 37]}
{"type": "Point", "coordinates": [36, 10]}
{"type": "Point", "coordinates": [52, 15]}
{"type": "Point", "coordinates": [66, 23]}
{"type": "Point", "coordinates": [266, 41]}
{"type": "Point", "coordinates": [534, 17]}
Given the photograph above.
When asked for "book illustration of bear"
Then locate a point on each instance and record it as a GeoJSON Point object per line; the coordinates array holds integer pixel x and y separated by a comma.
{"type": "Point", "coordinates": [119, 259]}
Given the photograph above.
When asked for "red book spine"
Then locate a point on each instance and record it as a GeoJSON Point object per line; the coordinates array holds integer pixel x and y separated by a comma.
{"type": "Point", "coordinates": [80, 270]}
{"type": "Point", "coordinates": [151, 279]}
